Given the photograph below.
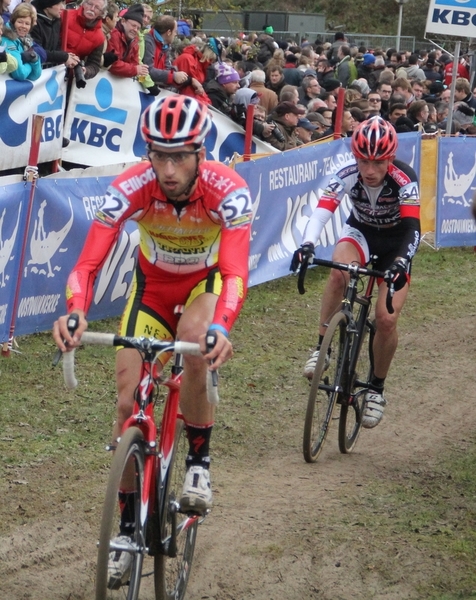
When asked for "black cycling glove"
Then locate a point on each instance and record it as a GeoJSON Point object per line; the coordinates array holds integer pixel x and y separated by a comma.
{"type": "Point", "coordinates": [397, 274]}
{"type": "Point", "coordinates": [301, 255]}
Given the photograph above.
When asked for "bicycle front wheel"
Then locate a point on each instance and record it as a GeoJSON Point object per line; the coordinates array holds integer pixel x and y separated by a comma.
{"type": "Point", "coordinates": [325, 388]}
{"type": "Point", "coordinates": [127, 464]}
{"type": "Point", "coordinates": [173, 563]}
{"type": "Point", "coordinates": [351, 411]}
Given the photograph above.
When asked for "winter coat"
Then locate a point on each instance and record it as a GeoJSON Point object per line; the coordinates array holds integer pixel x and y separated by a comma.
{"type": "Point", "coordinates": [157, 57]}
{"type": "Point", "coordinates": [14, 46]}
{"type": "Point", "coordinates": [86, 40]}
{"type": "Point", "coordinates": [47, 33]}
{"type": "Point", "coordinates": [127, 52]}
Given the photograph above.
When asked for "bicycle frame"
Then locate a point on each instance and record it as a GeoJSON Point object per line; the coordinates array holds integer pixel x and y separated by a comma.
{"type": "Point", "coordinates": [157, 461]}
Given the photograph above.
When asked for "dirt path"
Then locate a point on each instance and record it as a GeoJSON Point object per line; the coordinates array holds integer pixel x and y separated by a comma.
{"type": "Point", "coordinates": [285, 530]}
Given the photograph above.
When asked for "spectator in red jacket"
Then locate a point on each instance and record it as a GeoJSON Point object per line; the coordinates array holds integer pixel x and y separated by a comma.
{"type": "Point", "coordinates": [196, 60]}
{"type": "Point", "coordinates": [157, 53]}
{"type": "Point", "coordinates": [85, 37]}
{"type": "Point", "coordinates": [124, 44]}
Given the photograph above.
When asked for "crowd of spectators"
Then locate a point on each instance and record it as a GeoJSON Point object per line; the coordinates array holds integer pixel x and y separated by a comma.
{"type": "Point", "coordinates": [294, 88]}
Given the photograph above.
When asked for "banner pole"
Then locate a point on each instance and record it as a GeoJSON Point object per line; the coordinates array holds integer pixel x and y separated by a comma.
{"type": "Point", "coordinates": [31, 176]}
{"type": "Point", "coordinates": [250, 112]}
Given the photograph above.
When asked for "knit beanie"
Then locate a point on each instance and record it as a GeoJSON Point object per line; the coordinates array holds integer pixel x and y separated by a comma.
{"type": "Point", "coordinates": [135, 13]}
{"type": "Point", "coordinates": [40, 5]}
{"type": "Point", "coordinates": [226, 74]}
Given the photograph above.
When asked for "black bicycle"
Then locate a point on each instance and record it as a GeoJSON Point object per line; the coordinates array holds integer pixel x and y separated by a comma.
{"type": "Point", "coordinates": [345, 361]}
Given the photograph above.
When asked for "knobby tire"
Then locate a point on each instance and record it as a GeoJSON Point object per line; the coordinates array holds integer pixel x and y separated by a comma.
{"type": "Point", "coordinates": [351, 411]}
{"type": "Point", "coordinates": [130, 451]}
{"type": "Point", "coordinates": [324, 389]}
{"type": "Point", "coordinates": [171, 574]}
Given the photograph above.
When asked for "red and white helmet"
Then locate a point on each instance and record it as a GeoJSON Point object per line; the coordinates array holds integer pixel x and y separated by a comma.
{"type": "Point", "coordinates": [374, 139]}
{"type": "Point", "coordinates": [176, 121]}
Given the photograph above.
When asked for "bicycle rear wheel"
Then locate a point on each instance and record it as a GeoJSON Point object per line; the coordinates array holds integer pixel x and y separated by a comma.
{"type": "Point", "coordinates": [172, 565]}
{"type": "Point", "coordinates": [128, 455]}
{"type": "Point", "coordinates": [325, 388]}
{"type": "Point", "coordinates": [351, 411]}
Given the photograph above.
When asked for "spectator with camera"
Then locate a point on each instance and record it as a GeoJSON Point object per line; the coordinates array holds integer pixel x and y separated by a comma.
{"type": "Point", "coordinates": [85, 38]}
{"type": "Point", "coordinates": [47, 33]}
{"type": "Point", "coordinates": [17, 41]}
{"type": "Point", "coordinates": [285, 117]}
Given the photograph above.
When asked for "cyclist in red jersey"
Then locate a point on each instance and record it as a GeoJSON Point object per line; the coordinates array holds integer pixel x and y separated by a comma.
{"type": "Point", "coordinates": [384, 222]}
{"type": "Point", "coordinates": [194, 220]}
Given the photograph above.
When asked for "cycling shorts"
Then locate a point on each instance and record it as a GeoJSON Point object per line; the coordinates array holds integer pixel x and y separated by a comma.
{"type": "Point", "coordinates": [153, 308]}
{"type": "Point", "coordinates": [370, 241]}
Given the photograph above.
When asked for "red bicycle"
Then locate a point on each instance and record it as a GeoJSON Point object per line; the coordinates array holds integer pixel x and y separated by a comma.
{"type": "Point", "coordinates": [156, 458]}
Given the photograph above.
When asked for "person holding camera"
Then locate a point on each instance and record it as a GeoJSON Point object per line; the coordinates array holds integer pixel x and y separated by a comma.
{"type": "Point", "coordinates": [85, 39]}
{"type": "Point", "coordinates": [16, 41]}
{"type": "Point", "coordinates": [285, 118]}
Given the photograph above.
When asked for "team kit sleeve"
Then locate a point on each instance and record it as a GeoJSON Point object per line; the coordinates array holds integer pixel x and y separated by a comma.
{"type": "Point", "coordinates": [326, 207]}
{"type": "Point", "coordinates": [115, 210]}
{"type": "Point", "coordinates": [235, 212]}
{"type": "Point", "coordinates": [409, 199]}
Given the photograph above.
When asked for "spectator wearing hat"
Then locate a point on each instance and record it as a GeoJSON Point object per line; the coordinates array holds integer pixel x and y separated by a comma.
{"type": "Point", "coordinates": [266, 45]}
{"type": "Point", "coordinates": [304, 130]}
{"type": "Point", "coordinates": [47, 33]}
{"type": "Point", "coordinates": [157, 53]}
{"type": "Point", "coordinates": [286, 116]}
{"type": "Point", "coordinates": [85, 37]}
{"type": "Point", "coordinates": [124, 44]}
{"type": "Point", "coordinates": [366, 68]}
{"type": "Point", "coordinates": [331, 85]}
{"type": "Point", "coordinates": [267, 98]}
{"type": "Point", "coordinates": [196, 60]}
{"type": "Point", "coordinates": [436, 88]}
{"type": "Point", "coordinates": [320, 122]}
{"type": "Point", "coordinates": [221, 90]}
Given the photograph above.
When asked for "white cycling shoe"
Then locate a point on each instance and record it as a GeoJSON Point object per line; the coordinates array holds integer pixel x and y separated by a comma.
{"type": "Point", "coordinates": [197, 492]}
{"type": "Point", "coordinates": [311, 363]}
{"type": "Point", "coordinates": [375, 404]}
{"type": "Point", "coordinates": [120, 564]}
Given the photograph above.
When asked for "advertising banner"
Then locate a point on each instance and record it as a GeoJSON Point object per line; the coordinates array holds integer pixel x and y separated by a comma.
{"type": "Point", "coordinates": [13, 209]}
{"type": "Point", "coordinates": [19, 101]}
{"type": "Point", "coordinates": [103, 125]}
{"type": "Point", "coordinates": [452, 17]}
{"type": "Point", "coordinates": [455, 225]}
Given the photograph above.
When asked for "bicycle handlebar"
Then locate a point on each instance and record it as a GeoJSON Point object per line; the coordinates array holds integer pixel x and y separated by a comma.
{"type": "Point", "coordinates": [110, 339]}
{"type": "Point", "coordinates": [350, 268]}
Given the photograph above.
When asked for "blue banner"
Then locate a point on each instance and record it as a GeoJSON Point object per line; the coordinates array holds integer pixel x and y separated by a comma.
{"type": "Point", "coordinates": [13, 214]}
{"type": "Point", "coordinates": [455, 225]}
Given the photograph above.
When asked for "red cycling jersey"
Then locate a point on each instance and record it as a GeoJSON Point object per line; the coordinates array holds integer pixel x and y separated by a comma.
{"type": "Point", "coordinates": [210, 229]}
